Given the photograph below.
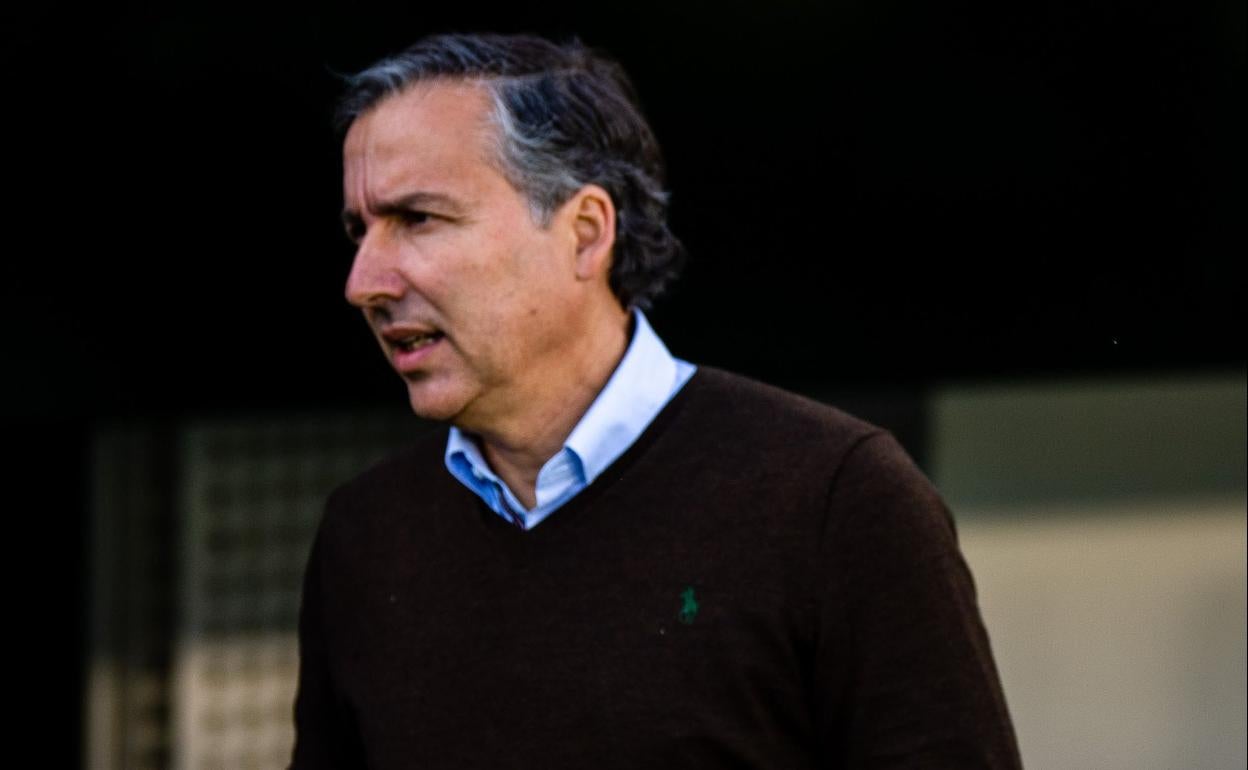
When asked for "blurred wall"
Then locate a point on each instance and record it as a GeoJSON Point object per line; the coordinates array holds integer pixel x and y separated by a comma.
{"type": "Point", "coordinates": [1105, 525]}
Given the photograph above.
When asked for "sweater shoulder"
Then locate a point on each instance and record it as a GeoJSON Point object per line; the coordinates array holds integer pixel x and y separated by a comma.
{"type": "Point", "coordinates": [416, 460]}
{"type": "Point", "coordinates": [757, 413]}
{"type": "Point", "coordinates": [800, 449]}
{"type": "Point", "coordinates": [378, 494]}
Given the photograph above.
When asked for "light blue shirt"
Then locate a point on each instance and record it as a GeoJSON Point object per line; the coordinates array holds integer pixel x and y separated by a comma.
{"type": "Point", "coordinates": [641, 385]}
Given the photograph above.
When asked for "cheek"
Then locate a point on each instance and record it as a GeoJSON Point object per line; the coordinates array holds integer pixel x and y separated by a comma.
{"type": "Point", "coordinates": [504, 282]}
{"type": "Point", "coordinates": [502, 278]}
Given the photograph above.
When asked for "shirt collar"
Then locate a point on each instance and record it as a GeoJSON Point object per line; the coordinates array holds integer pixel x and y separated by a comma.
{"type": "Point", "coordinates": [636, 392]}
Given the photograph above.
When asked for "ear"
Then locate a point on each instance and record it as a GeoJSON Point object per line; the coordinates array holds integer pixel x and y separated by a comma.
{"type": "Point", "coordinates": [593, 226]}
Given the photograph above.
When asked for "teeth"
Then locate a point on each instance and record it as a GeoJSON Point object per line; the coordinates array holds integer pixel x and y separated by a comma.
{"type": "Point", "coordinates": [416, 341]}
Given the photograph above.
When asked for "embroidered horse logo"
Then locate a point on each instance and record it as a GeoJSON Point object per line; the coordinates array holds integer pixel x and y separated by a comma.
{"type": "Point", "coordinates": [688, 607]}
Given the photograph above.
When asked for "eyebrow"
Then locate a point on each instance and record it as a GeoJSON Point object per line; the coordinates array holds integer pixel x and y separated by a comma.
{"type": "Point", "coordinates": [418, 200]}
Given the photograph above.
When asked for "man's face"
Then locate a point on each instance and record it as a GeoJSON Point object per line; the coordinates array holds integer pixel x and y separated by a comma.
{"type": "Point", "coordinates": [471, 300]}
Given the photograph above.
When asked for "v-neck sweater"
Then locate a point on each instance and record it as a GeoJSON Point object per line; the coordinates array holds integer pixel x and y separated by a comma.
{"type": "Point", "coordinates": [759, 581]}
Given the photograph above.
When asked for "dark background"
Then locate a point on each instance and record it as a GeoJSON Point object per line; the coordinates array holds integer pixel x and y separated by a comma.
{"type": "Point", "coordinates": [877, 197]}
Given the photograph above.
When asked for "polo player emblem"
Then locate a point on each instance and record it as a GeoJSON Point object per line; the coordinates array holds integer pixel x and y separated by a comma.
{"type": "Point", "coordinates": [688, 606]}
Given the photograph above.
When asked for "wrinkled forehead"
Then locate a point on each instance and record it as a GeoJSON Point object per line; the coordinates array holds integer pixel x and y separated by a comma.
{"type": "Point", "coordinates": [440, 117]}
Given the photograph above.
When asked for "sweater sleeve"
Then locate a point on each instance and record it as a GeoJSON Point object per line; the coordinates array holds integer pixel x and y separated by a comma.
{"type": "Point", "coordinates": [904, 672]}
{"type": "Point", "coordinates": [326, 737]}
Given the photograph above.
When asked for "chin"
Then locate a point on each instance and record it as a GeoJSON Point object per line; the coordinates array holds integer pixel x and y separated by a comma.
{"type": "Point", "coordinates": [429, 403]}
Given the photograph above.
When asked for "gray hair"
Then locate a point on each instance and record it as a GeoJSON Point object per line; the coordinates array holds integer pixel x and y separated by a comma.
{"type": "Point", "coordinates": [566, 116]}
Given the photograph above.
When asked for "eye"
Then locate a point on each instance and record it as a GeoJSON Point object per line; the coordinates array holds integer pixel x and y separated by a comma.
{"type": "Point", "coordinates": [414, 218]}
{"type": "Point", "coordinates": [354, 228]}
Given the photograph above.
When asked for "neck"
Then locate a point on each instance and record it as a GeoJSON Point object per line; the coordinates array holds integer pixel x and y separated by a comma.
{"type": "Point", "coordinates": [517, 447]}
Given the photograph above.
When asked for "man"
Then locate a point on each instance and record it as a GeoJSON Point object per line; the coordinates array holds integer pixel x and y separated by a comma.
{"type": "Point", "coordinates": [610, 558]}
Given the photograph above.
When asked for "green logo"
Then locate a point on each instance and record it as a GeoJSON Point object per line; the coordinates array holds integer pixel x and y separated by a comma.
{"type": "Point", "coordinates": [688, 606]}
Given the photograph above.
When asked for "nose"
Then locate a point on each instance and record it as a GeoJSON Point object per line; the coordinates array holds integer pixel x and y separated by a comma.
{"type": "Point", "coordinates": [374, 278]}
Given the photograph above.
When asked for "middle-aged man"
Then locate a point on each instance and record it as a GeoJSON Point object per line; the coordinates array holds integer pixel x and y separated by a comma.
{"type": "Point", "coordinates": [609, 558]}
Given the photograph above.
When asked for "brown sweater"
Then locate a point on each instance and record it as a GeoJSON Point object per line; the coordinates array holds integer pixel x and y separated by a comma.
{"type": "Point", "coordinates": [760, 581]}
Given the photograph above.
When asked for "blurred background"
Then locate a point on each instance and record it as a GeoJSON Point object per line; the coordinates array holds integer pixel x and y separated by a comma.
{"type": "Point", "coordinates": [1004, 231]}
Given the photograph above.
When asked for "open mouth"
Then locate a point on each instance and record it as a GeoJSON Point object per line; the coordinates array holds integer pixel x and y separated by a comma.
{"type": "Point", "coordinates": [417, 341]}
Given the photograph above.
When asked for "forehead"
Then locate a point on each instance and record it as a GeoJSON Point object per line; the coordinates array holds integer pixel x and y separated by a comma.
{"type": "Point", "coordinates": [436, 127]}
